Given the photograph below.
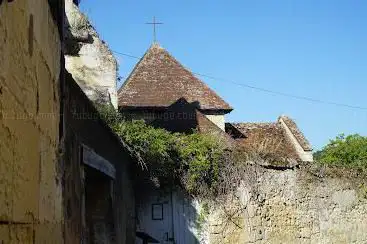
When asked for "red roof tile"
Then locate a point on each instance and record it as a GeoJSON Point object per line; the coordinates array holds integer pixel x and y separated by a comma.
{"type": "Point", "coordinates": [159, 80]}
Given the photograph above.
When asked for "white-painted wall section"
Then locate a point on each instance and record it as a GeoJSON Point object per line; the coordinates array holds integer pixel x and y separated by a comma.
{"type": "Point", "coordinates": [178, 223]}
{"type": "Point", "coordinates": [217, 119]}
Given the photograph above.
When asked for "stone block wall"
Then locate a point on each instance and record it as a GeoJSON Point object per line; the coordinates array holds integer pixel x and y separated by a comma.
{"type": "Point", "coordinates": [30, 190]}
{"type": "Point", "coordinates": [305, 205]}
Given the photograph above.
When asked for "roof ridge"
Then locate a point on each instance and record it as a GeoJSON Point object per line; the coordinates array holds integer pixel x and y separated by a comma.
{"type": "Point", "coordinates": [234, 123]}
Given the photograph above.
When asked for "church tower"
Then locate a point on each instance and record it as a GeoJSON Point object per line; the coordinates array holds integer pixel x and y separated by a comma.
{"type": "Point", "coordinates": [159, 81]}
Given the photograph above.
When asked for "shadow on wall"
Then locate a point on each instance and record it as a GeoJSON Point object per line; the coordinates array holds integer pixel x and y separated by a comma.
{"type": "Point", "coordinates": [180, 116]}
{"type": "Point", "coordinates": [166, 215]}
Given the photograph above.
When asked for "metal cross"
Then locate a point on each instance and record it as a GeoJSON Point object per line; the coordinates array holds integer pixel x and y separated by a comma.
{"type": "Point", "coordinates": [154, 23]}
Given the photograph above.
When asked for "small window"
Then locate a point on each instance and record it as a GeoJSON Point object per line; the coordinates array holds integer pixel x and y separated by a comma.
{"type": "Point", "coordinates": [157, 211]}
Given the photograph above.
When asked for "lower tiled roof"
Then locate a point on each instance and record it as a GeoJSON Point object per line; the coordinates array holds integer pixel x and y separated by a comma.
{"type": "Point", "coordinates": [268, 140]}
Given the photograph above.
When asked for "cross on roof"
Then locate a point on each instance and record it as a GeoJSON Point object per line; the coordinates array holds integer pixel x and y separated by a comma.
{"type": "Point", "coordinates": [154, 23]}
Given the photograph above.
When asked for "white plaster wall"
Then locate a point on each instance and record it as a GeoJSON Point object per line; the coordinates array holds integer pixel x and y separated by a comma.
{"type": "Point", "coordinates": [217, 119]}
{"type": "Point", "coordinates": [158, 229]}
{"type": "Point", "coordinates": [179, 220]}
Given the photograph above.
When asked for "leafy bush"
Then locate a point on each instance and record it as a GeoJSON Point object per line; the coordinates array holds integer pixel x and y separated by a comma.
{"type": "Point", "coordinates": [345, 150]}
{"type": "Point", "coordinates": [193, 159]}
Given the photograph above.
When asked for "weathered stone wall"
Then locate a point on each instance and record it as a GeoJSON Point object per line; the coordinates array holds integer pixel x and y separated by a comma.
{"type": "Point", "coordinates": [30, 188]}
{"type": "Point", "coordinates": [88, 58]}
{"type": "Point", "coordinates": [293, 206]}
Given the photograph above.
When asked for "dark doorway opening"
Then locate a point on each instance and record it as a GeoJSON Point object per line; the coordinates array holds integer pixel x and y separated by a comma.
{"type": "Point", "coordinates": [99, 219]}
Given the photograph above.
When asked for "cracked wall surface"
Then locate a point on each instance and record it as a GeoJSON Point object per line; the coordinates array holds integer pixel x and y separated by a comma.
{"type": "Point", "coordinates": [305, 205]}
{"type": "Point", "coordinates": [30, 193]}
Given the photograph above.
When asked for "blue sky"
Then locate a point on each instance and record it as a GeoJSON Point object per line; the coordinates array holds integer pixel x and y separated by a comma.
{"type": "Point", "coordinates": [307, 48]}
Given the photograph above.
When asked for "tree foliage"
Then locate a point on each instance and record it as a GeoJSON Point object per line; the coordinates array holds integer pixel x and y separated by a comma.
{"type": "Point", "coordinates": [344, 150]}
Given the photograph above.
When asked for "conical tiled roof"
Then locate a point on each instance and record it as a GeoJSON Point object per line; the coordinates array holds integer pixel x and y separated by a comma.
{"type": "Point", "coordinates": [159, 80]}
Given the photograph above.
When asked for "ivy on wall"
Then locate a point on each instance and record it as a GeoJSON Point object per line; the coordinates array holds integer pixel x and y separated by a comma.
{"type": "Point", "coordinates": [192, 159]}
